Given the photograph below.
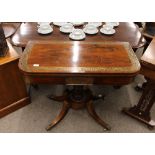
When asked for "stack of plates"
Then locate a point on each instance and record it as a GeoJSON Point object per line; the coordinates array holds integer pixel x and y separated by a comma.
{"type": "Point", "coordinates": [67, 28]}
{"type": "Point", "coordinates": [107, 32]}
{"type": "Point", "coordinates": [77, 34]}
{"type": "Point", "coordinates": [108, 28]}
{"type": "Point", "coordinates": [114, 24]}
{"type": "Point", "coordinates": [96, 24]}
{"type": "Point", "coordinates": [44, 28]}
{"type": "Point", "coordinates": [90, 29]}
{"type": "Point", "coordinates": [43, 31]}
{"type": "Point", "coordinates": [77, 23]}
{"type": "Point", "coordinates": [59, 23]}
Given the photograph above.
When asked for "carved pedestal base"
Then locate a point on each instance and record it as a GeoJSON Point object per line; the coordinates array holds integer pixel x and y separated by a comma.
{"type": "Point", "coordinates": [77, 98]}
{"type": "Point", "coordinates": [141, 111]}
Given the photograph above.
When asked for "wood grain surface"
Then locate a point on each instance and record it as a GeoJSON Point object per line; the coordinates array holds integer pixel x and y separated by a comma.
{"type": "Point", "coordinates": [126, 32]}
{"type": "Point", "coordinates": [79, 57]}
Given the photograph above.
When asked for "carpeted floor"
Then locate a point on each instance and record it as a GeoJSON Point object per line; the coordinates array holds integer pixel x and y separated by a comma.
{"type": "Point", "coordinates": [36, 116]}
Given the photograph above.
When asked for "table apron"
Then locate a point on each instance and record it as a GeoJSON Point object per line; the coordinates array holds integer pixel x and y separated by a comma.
{"type": "Point", "coordinates": [109, 80]}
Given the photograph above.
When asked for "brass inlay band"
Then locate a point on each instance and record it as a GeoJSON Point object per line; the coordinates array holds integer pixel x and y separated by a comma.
{"type": "Point", "coordinates": [84, 69]}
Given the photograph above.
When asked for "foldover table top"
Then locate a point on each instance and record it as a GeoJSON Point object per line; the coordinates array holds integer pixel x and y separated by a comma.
{"type": "Point", "coordinates": [125, 32]}
{"type": "Point", "coordinates": [79, 58]}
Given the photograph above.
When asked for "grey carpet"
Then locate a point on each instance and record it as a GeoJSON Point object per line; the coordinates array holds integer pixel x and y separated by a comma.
{"type": "Point", "coordinates": [36, 116]}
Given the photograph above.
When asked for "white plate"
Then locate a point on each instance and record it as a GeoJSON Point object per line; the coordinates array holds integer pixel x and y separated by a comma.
{"type": "Point", "coordinates": [96, 24]}
{"type": "Point", "coordinates": [47, 31]}
{"type": "Point", "coordinates": [112, 23]}
{"type": "Point", "coordinates": [74, 35]}
{"type": "Point", "coordinates": [77, 23]}
{"type": "Point", "coordinates": [112, 31]}
{"type": "Point", "coordinates": [66, 30]}
{"type": "Point", "coordinates": [59, 23]}
{"type": "Point", "coordinates": [95, 31]}
{"type": "Point", "coordinates": [46, 23]}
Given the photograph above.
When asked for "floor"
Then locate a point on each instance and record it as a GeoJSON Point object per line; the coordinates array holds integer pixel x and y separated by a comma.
{"type": "Point", "coordinates": [36, 116]}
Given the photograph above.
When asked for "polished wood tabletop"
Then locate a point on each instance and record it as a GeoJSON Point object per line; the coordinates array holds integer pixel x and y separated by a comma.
{"type": "Point", "coordinates": [10, 28]}
{"type": "Point", "coordinates": [80, 58]}
{"type": "Point", "coordinates": [126, 32]}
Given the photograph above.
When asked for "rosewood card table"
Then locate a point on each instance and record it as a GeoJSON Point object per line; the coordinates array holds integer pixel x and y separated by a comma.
{"type": "Point", "coordinates": [79, 64]}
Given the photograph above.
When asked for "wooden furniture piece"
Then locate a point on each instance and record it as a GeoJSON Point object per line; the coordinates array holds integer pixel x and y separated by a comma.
{"type": "Point", "coordinates": [141, 111]}
{"type": "Point", "coordinates": [148, 33]}
{"type": "Point", "coordinates": [126, 32]}
{"type": "Point", "coordinates": [139, 24]}
{"type": "Point", "coordinates": [10, 28]}
{"type": "Point", "coordinates": [13, 94]}
{"type": "Point", "coordinates": [79, 64]}
{"type": "Point", "coordinates": [3, 43]}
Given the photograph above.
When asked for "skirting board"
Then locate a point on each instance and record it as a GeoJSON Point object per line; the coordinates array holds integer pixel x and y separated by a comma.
{"type": "Point", "coordinates": [14, 106]}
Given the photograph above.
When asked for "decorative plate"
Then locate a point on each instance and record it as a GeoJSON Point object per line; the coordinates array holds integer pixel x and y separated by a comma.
{"type": "Point", "coordinates": [59, 23]}
{"type": "Point", "coordinates": [96, 24]}
{"type": "Point", "coordinates": [77, 34]}
{"type": "Point", "coordinates": [47, 31]}
{"type": "Point", "coordinates": [104, 31]}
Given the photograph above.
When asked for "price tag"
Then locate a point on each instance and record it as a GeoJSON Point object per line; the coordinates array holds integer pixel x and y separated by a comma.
{"type": "Point", "coordinates": [36, 65]}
